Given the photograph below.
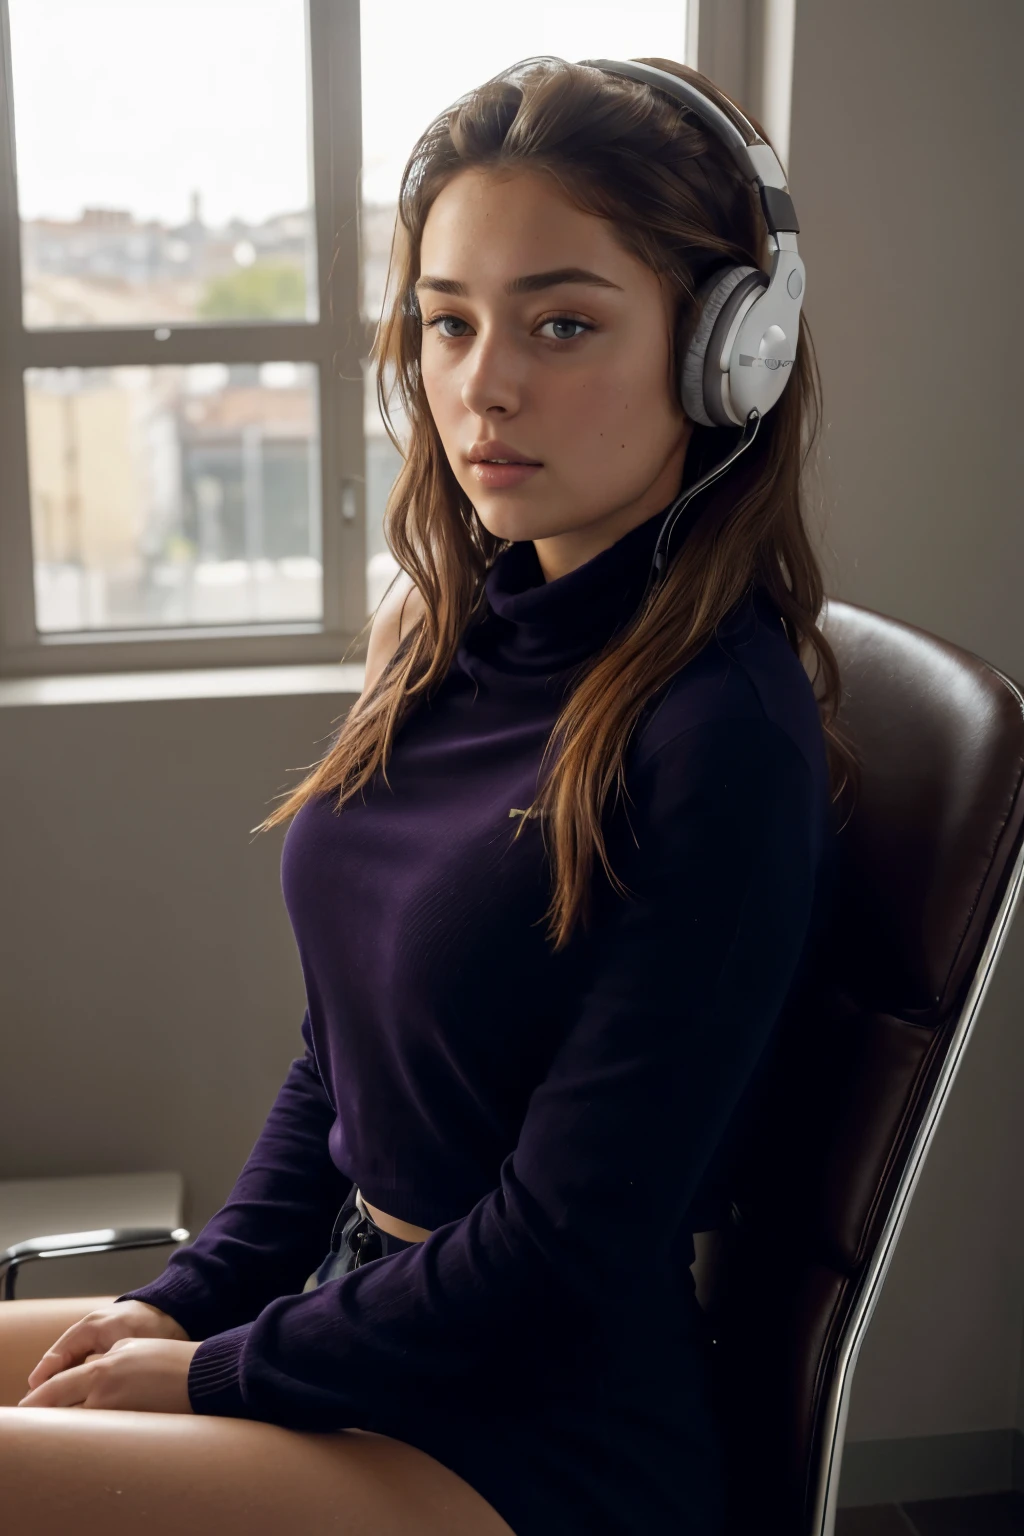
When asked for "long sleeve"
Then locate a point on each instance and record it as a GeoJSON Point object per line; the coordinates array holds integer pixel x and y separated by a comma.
{"type": "Point", "coordinates": [275, 1226]}
{"type": "Point", "coordinates": [680, 986]}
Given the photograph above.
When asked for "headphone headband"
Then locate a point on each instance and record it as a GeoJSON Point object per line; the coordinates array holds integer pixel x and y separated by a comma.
{"type": "Point", "coordinates": [755, 159]}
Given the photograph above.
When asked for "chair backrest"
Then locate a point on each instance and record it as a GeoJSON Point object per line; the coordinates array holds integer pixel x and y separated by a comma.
{"type": "Point", "coordinates": [931, 864]}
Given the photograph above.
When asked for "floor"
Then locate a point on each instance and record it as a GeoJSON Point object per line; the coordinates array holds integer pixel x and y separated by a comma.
{"type": "Point", "coordinates": [989, 1514]}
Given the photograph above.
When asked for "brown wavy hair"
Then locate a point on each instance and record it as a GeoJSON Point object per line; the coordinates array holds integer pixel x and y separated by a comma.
{"type": "Point", "coordinates": [627, 153]}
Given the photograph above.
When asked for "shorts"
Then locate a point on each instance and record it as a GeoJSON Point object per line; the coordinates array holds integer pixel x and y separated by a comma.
{"type": "Point", "coordinates": [355, 1240]}
{"type": "Point", "coordinates": [629, 1447]}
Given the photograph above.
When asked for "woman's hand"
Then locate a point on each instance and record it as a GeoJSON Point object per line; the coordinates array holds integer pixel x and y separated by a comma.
{"type": "Point", "coordinates": [149, 1375]}
{"type": "Point", "coordinates": [90, 1339]}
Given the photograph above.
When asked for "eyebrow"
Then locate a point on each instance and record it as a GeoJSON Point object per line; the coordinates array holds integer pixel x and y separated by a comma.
{"type": "Point", "coordinates": [533, 282]}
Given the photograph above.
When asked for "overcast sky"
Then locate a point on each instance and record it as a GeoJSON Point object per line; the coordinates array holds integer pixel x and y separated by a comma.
{"type": "Point", "coordinates": [135, 103]}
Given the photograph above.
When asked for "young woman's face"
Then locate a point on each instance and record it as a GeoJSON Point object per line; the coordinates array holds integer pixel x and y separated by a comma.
{"type": "Point", "coordinates": [570, 374]}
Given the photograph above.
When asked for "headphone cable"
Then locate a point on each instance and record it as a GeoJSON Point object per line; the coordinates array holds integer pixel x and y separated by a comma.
{"type": "Point", "coordinates": [659, 562]}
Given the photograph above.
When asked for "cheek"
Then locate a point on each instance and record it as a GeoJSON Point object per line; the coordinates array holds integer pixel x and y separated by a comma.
{"type": "Point", "coordinates": [612, 412]}
{"type": "Point", "coordinates": [445, 405]}
{"type": "Point", "coordinates": [433, 386]}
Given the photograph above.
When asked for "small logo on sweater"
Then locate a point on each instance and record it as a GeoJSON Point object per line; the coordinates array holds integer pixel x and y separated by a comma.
{"type": "Point", "coordinates": [527, 814]}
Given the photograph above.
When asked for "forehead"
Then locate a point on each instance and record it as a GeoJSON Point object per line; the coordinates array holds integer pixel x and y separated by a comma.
{"type": "Point", "coordinates": [485, 223]}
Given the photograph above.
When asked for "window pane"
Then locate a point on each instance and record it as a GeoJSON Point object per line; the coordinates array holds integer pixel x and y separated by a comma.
{"type": "Point", "coordinates": [174, 495]}
{"type": "Point", "coordinates": [403, 89]}
{"type": "Point", "coordinates": [162, 161]}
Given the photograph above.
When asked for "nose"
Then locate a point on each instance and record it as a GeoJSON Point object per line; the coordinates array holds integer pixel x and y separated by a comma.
{"type": "Point", "coordinates": [493, 375]}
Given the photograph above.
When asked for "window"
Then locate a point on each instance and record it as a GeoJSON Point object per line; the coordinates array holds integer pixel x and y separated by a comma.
{"type": "Point", "coordinates": [196, 206]}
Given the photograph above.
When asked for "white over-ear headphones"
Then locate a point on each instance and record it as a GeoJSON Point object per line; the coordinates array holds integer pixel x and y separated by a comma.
{"type": "Point", "coordinates": [744, 344]}
{"type": "Point", "coordinates": [743, 347]}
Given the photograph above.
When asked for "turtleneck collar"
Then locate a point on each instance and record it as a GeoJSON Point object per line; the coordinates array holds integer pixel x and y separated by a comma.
{"type": "Point", "coordinates": [535, 628]}
{"type": "Point", "coordinates": [577, 611]}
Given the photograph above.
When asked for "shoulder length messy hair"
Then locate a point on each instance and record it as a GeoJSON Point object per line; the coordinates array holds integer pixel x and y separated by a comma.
{"type": "Point", "coordinates": [626, 153]}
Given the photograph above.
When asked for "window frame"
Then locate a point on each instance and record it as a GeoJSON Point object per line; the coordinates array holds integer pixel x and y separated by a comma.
{"type": "Point", "coordinates": [337, 345]}
{"type": "Point", "coordinates": [725, 39]}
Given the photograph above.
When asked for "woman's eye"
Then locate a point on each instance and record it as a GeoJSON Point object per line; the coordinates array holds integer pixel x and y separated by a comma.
{"type": "Point", "coordinates": [567, 320]}
{"type": "Point", "coordinates": [439, 320]}
{"type": "Point", "coordinates": [559, 320]}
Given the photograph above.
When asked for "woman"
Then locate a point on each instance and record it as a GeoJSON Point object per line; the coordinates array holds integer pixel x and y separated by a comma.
{"type": "Point", "coordinates": [505, 1134]}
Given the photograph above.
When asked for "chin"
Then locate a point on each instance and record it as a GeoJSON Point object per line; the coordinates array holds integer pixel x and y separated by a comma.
{"type": "Point", "coordinates": [513, 523]}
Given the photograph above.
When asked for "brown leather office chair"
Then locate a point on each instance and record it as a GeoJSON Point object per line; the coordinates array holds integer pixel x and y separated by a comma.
{"type": "Point", "coordinates": [931, 869]}
{"type": "Point", "coordinates": [932, 864]}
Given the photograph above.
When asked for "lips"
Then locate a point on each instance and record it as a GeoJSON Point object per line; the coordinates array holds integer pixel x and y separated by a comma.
{"type": "Point", "coordinates": [497, 453]}
{"type": "Point", "coordinates": [498, 477]}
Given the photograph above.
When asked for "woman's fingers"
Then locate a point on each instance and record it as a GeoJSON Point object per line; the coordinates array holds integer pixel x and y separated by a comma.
{"type": "Point", "coordinates": [53, 1361]}
{"type": "Point", "coordinates": [66, 1389]}
{"type": "Point", "coordinates": [69, 1350]}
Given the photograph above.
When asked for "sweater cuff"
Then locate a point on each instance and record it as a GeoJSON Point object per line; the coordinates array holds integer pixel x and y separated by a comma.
{"type": "Point", "coordinates": [176, 1294]}
{"type": "Point", "coordinates": [214, 1384]}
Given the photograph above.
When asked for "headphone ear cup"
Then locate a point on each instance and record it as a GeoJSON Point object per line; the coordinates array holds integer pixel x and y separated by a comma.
{"type": "Point", "coordinates": [702, 378]}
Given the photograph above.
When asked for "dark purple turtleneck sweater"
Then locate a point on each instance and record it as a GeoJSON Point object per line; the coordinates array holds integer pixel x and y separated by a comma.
{"type": "Point", "coordinates": [528, 1108]}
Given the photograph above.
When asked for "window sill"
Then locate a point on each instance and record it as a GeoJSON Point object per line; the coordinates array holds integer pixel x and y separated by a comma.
{"type": "Point", "coordinates": [188, 683]}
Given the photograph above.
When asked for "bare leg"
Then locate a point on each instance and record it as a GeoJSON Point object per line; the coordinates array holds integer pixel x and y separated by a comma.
{"type": "Point", "coordinates": [114, 1473]}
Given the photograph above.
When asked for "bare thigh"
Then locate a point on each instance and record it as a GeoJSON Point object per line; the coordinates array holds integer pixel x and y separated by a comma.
{"type": "Point", "coordinates": [118, 1473]}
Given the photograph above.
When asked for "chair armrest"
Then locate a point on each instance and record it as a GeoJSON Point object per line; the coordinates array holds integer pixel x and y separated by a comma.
{"type": "Point", "coordinates": [59, 1245]}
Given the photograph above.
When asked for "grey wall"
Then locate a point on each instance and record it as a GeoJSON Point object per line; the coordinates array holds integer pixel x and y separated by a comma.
{"type": "Point", "coordinates": [905, 167]}
{"type": "Point", "coordinates": [149, 985]}
{"type": "Point", "coordinates": [150, 989]}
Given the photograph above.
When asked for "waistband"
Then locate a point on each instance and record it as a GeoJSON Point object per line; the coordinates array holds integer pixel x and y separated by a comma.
{"type": "Point", "coordinates": [355, 1219]}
